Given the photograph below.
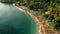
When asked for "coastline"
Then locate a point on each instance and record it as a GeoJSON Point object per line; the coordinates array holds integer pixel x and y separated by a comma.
{"type": "Point", "coordinates": [33, 15]}
{"type": "Point", "coordinates": [41, 23]}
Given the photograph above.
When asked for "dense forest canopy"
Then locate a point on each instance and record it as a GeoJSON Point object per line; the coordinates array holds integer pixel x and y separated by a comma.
{"type": "Point", "coordinates": [52, 7]}
{"type": "Point", "coordinates": [9, 1]}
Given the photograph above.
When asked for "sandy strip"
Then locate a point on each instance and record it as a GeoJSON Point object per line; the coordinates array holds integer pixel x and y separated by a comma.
{"type": "Point", "coordinates": [42, 27]}
{"type": "Point", "coordinates": [32, 14]}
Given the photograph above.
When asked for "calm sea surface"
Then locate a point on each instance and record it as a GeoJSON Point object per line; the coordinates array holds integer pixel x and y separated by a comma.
{"type": "Point", "coordinates": [14, 21]}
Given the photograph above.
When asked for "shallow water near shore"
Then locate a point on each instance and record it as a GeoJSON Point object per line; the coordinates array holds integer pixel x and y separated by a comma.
{"type": "Point", "coordinates": [14, 21]}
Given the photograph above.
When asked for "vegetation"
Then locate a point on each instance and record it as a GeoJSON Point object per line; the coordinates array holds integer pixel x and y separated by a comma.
{"type": "Point", "coordinates": [48, 8]}
{"type": "Point", "coordinates": [9, 1]}
{"type": "Point", "coordinates": [52, 7]}
{"type": "Point", "coordinates": [55, 23]}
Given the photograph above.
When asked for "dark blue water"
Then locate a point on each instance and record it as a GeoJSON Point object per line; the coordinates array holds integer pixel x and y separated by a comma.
{"type": "Point", "coordinates": [14, 21]}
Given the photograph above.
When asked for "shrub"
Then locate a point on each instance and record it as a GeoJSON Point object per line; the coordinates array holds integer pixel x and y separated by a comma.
{"type": "Point", "coordinates": [55, 23]}
{"type": "Point", "coordinates": [51, 17]}
{"type": "Point", "coordinates": [45, 15]}
{"type": "Point", "coordinates": [40, 12]}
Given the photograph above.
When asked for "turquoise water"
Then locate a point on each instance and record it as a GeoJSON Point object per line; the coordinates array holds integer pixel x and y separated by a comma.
{"type": "Point", "coordinates": [14, 21]}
